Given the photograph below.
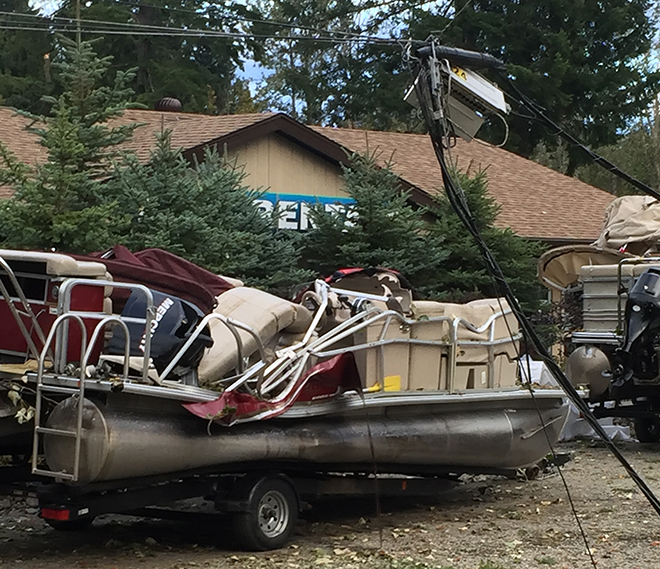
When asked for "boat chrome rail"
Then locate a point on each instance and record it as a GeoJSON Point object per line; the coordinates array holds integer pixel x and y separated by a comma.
{"type": "Point", "coordinates": [266, 376]}
{"type": "Point", "coordinates": [42, 387]}
{"type": "Point", "coordinates": [64, 307]}
{"type": "Point", "coordinates": [6, 270]}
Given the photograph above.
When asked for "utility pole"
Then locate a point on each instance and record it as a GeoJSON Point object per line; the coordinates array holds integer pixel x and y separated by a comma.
{"type": "Point", "coordinates": [78, 39]}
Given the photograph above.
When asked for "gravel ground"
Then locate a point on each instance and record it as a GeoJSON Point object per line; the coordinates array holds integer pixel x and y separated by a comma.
{"type": "Point", "coordinates": [485, 523]}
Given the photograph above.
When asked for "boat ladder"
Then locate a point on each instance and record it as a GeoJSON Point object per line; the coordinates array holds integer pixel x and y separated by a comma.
{"type": "Point", "coordinates": [59, 382]}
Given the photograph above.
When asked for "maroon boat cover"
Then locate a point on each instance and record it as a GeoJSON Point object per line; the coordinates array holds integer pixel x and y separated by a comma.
{"type": "Point", "coordinates": [162, 271]}
{"type": "Point", "coordinates": [326, 380]}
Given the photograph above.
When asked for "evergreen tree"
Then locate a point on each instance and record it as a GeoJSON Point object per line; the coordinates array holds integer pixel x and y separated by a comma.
{"type": "Point", "coordinates": [432, 248]}
{"type": "Point", "coordinates": [61, 204]}
{"type": "Point", "coordinates": [464, 275]}
{"type": "Point", "coordinates": [582, 61]}
{"type": "Point", "coordinates": [299, 79]}
{"type": "Point", "coordinates": [380, 229]}
{"type": "Point", "coordinates": [24, 58]}
{"type": "Point", "coordinates": [207, 215]}
{"type": "Point", "coordinates": [199, 71]}
{"type": "Point", "coordinates": [637, 153]}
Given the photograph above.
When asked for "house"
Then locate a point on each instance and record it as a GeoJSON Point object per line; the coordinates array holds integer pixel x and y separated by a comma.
{"type": "Point", "coordinates": [297, 165]}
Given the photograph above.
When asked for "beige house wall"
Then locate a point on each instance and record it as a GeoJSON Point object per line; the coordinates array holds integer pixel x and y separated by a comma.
{"type": "Point", "coordinates": [277, 165]}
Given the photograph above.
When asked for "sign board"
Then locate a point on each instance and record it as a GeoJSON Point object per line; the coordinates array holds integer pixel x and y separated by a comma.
{"type": "Point", "coordinates": [294, 208]}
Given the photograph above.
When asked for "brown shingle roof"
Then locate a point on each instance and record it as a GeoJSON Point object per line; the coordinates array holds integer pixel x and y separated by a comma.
{"type": "Point", "coordinates": [536, 201]}
{"type": "Point", "coordinates": [188, 129]}
{"type": "Point", "coordinates": [23, 144]}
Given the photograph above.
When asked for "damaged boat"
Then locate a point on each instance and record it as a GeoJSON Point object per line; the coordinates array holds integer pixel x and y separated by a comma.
{"type": "Point", "coordinates": [144, 368]}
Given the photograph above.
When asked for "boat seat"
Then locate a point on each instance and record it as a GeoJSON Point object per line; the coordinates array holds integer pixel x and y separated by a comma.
{"type": "Point", "coordinates": [265, 313]}
{"type": "Point", "coordinates": [420, 367]}
{"type": "Point", "coordinates": [56, 264]}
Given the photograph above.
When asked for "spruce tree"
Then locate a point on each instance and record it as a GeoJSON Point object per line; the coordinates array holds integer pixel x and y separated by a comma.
{"type": "Point", "coordinates": [429, 246]}
{"type": "Point", "coordinates": [464, 275]}
{"type": "Point", "coordinates": [206, 214]}
{"type": "Point", "coordinates": [61, 204]}
{"type": "Point", "coordinates": [380, 228]}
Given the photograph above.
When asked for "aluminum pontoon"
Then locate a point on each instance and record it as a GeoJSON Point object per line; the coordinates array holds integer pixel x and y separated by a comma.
{"type": "Point", "coordinates": [354, 374]}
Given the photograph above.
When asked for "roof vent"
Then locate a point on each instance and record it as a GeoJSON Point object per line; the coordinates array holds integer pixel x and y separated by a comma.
{"type": "Point", "coordinates": [168, 105]}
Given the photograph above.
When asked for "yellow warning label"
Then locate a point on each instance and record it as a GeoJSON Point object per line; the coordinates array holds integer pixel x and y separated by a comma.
{"type": "Point", "coordinates": [391, 383]}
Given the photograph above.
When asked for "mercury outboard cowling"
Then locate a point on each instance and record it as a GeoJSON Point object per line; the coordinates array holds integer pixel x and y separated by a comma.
{"type": "Point", "coordinates": [636, 361]}
{"type": "Point", "coordinates": [174, 322]}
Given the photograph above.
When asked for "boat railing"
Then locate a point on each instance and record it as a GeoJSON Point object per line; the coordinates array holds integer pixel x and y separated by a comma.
{"type": "Point", "coordinates": [452, 345]}
{"type": "Point", "coordinates": [64, 307]}
{"type": "Point", "coordinates": [234, 326]}
{"type": "Point", "coordinates": [19, 294]}
{"type": "Point", "coordinates": [264, 377]}
{"type": "Point", "coordinates": [291, 362]}
{"type": "Point", "coordinates": [43, 388]}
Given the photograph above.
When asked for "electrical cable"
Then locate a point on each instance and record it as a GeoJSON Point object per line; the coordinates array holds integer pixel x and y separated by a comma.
{"type": "Point", "coordinates": [457, 200]}
{"type": "Point", "coordinates": [191, 33]}
{"type": "Point", "coordinates": [528, 385]}
{"type": "Point", "coordinates": [264, 22]}
{"type": "Point", "coordinates": [559, 131]}
{"type": "Point", "coordinates": [11, 21]}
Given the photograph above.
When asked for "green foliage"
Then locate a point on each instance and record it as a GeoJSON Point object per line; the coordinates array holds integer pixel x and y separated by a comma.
{"type": "Point", "coordinates": [348, 84]}
{"type": "Point", "coordinates": [637, 153]}
{"type": "Point", "coordinates": [579, 60]}
{"type": "Point", "coordinates": [60, 204]}
{"type": "Point", "coordinates": [24, 64]}
{"type": "Point", "coordinates": [431, 248]}
{"type": "Point", "coordinates": [379, 229]}
{"type": "Point", "coordinates": [464, 276]}
{"type": "Point", "coordinates": [188, 68]}
{"type": "Point", "coordinates": [205, 214]}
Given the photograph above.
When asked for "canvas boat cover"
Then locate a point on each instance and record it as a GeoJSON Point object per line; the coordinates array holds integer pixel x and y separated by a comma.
{"type": "Point", "coordinates": [632, 224]}
{"type": "Point", "coordinates": [162, 271]}
{"type": "Point", "coordinates": [559, 268]}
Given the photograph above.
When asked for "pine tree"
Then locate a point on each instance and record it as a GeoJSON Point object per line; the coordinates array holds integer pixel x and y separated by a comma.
{"type": "Point", "coordinates": [380, 229]}
{"type": "Point", "coordinates": [206, 214]}
{"type": "Point", "coordinates": [464, 276]}
{"type": "Point", "coordinates": [199, 71]}
{"type": "Point", "coordinates": [61, 203]}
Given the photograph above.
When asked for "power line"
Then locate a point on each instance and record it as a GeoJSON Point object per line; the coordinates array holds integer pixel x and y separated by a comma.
{"type": "Point", "coordinates": [57, 23]}
{"type": "Point", "coordinates": [173, 32]}
{"type": "Point", "coordinates": [55, 20]}
{"type": "Point", "coordinates": [366, 7]}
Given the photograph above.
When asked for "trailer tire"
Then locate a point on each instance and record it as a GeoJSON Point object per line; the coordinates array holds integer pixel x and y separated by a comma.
{"type": "Point", "coordinates": [70, 525]}
{"type": "Point", "coordinates": [647, 430]}
{"type": "Point", "coordinates": [270, 517]}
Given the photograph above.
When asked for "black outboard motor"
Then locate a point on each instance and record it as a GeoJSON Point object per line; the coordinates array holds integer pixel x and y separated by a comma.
{"type": "Point", "coordinates": [174, 323]}
{"type": "Point", "coordinates": [636, 361]}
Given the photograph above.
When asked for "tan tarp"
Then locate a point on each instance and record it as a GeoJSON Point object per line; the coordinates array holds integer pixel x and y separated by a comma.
{"type": "Point", "coordinates": [633, 223]}
{"type": "Point", "coordinates": [560, 267]}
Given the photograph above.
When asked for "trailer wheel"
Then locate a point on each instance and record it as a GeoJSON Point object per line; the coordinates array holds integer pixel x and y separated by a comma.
{"type": "Point", "coordinates": [270, 517]}
{"type": "Point", "coordinates": [647, 430]}
{"type": "Point", "coordinates": [70, 525]}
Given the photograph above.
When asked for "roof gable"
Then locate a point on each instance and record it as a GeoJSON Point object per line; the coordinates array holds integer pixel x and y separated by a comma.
{"type": "Point", "coordinates": [535, 201]}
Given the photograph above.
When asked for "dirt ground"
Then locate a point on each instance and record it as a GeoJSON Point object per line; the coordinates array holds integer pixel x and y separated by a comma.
{"type": "Point", "coordinates": [485, 523]}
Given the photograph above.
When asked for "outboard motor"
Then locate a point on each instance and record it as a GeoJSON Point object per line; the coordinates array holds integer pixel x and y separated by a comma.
{"type": "Point", "coordinates": [175, 321]}
{"type": "Point", "coordinates": [636, 361]}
